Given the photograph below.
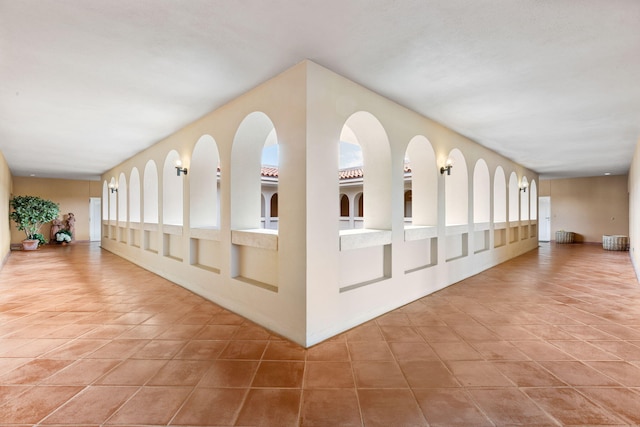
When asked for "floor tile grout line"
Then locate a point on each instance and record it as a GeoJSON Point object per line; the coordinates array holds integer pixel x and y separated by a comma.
{"type": "Point", "coordinates": [604, 408]}
{"type": "Point", "coordinates": [353, 376]}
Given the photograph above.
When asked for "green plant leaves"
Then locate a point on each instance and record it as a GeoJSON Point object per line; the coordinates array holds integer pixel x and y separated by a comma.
{"type": "Point", "coordinates": [31, 212]}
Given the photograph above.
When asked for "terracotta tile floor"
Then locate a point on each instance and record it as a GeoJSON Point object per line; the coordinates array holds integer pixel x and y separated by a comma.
{"type": "Point", "coordinates": [549, 338]}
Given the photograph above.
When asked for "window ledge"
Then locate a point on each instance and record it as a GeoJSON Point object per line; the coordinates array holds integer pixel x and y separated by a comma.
{"type": "Point", "coordinates": [419, 232]}
{"type": "Point", "coordinates": [363, 238]}
{"type": "Point", "coordinates": [150, 226]}
{"type": "Point", "coordinates": [454, 229]}
{"type": "Point", "coordinates": [256, 238]}
{"type": "Point", "coordinates": [205, 233]}
{"type": "Point", "coordinates": [172, 229]}
{"type": "Point", "coordinates": [481, 226]}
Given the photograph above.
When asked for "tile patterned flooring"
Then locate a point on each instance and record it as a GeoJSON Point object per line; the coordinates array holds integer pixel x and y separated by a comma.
{"type": "Point", "coordinates": [549, 338]}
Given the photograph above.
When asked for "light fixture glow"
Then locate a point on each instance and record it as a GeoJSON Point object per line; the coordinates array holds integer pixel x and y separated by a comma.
{"type": "Point", "coordinates": [447, 167]}
{"type": "Point", "coordinates": [180, 169]}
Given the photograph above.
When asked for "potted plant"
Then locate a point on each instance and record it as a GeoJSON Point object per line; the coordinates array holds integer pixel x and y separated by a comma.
{"type": "Point", "coordinates": [30, 213]}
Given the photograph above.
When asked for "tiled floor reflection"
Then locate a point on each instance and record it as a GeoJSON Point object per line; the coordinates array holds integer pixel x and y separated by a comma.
{"type": "Point", "coordinates": [549, 338]}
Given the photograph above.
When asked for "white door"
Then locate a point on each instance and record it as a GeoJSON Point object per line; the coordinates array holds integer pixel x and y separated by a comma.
{"type": "Point", "coordinates": [95, 213]}
{"type": "Point", "coordinates": [544, 219]}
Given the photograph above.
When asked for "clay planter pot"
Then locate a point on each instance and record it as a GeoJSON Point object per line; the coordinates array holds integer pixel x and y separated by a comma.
{"type": "Point", "coordinates": [30, 245]}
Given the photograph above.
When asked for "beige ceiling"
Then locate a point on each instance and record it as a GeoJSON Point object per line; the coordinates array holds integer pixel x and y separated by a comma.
{"type": "Point", "coordinates": [553, 85]}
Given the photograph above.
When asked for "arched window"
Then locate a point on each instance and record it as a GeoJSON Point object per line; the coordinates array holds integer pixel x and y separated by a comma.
{"type": "Point", "coordinates": [150, 193]}
{"type": "Point", "coordinates": [359, 205]}
{"type": "Point", "coordinates": [420, 159]}
{"type": "Point", "coordinates": [481, 193]}
{"type": "Point", "coordinates": [172, 190]}
{"type": "Point", "coordinates": [203, 184]}
{"type": "Point", "coordinates": [274, 206]}
{"type": "Point", "coordinates": [344, 205]}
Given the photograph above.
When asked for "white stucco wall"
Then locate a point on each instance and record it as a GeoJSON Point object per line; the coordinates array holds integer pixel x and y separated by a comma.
{"type": "Point", "coordinates": [307, 280]}
{"type": "Point", "coordinates": [332, 99]}
{"type": "Point", "coordinates": [273, 300]}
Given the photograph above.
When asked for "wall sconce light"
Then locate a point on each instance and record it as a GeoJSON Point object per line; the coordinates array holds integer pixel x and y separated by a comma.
{"type": "Point", "coordinates": [447, 167]}
{"type": "Point", "coordinates": [523, 187]}
{"type": "Point", "coordinates": [113, 188]}
{"type": "Point", "coordinates": [180, 169]}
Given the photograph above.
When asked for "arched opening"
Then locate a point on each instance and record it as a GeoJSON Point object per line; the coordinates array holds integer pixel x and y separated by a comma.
{"type": "Point", "coordinates": [499, 196]}
{"type": "Point", "coordinates": [364, 129]}
{"type": "Point", "coordinates": [254, 134]}
{"type": "Point", "coordinates": [456, 195]}
{"type": "Point", "coordinates": [499, 207]}
{"type": "Point", "coordinates": [524, 199]}
{"type": "Point", "coordinates": [172, 190]}
{"type": "Point", "coordinates": [134, 196]}
{"type": "Point", "coordinates": [105, 201]}
{"type": "Point", "coordinates": [350, 175]}
{"type": "Point", "coordinates": [150, 193]}
{"type": "Point", "coordinates": [344, 205]}
{"type": "Point", "coordinates": [420, 162]}
{"type": "Point", "coordinates": [533, 188]}
{"type": "Point", "coordinates": [122, 198]}
{"type": "Point", "coordinates": [204, 209]}
{"type": "Point", "coordinates": [274, 206]}
{"type": "Point", "coordinates": [359, 205]}
{"type": "Point", "coordinates": [457, 190]}
{"type": "Point", "coordinates": [514, 189]}
{"type": "Point", "coordinates": [481, 206]}
{"type": "Point", "coordinates": [113, 195]}
{"type": "Point", "coordinates": [481, 193]}
{"type": "Point", "coordinates": [269, 176]}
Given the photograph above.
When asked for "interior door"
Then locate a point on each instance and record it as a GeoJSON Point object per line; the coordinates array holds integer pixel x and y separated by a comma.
{"type": "Point", "coordinates": [95, 213]}
{"type": "Point", "coordinates": [544, 219]}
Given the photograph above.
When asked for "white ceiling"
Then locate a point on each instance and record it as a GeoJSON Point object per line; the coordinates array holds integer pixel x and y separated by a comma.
{"type": "Point", "coordinates": [553, 85]}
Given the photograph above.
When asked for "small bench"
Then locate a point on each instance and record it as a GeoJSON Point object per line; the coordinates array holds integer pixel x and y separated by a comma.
{"type": "Point", "coordinates": [565, 236]}
{"type": "Point", "coordinates": [615, 242]}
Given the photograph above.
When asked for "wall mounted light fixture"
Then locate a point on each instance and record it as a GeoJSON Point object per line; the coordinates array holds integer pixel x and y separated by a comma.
{"type": "Point", "coordinates": [180, 169]}
{"type": "Point", "coordinates": [523, 186]}
{"type": "Point", "coordinates": [447, 167]}
{"type": "Point", "coordinates": [113, 188]}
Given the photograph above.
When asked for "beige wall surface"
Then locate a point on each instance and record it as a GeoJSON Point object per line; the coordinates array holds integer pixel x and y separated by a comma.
{"type": "Point", "coordinates": [5, 194]}
{"type": "Point", "coordinates": [589, 207]}
{"type": "Point", "coordinates": [634, 208]}
{"type": "Point", "coordinates": [71, 195]}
